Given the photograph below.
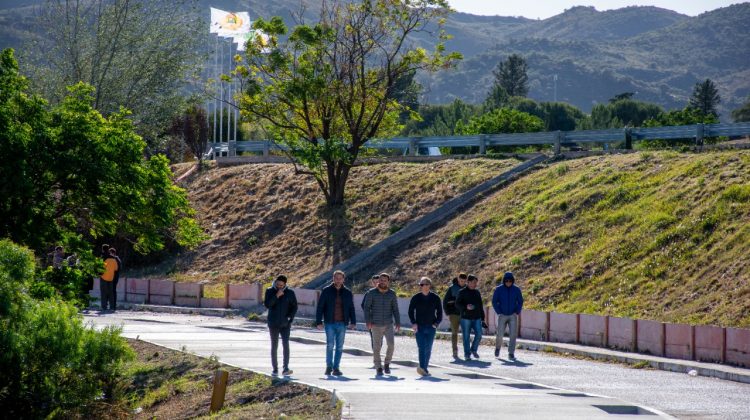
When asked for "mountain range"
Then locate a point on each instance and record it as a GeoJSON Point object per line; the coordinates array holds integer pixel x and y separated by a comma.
{"type": "Point", "coordinates": [657, 53]}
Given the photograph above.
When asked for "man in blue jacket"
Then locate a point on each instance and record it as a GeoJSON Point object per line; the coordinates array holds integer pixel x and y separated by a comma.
{"type": "Point", "coordinates": [282, 307]}
{"type": "Point", "coordinates": [336, 310]}
{"type": "Point", "coordinates": [507, 302]}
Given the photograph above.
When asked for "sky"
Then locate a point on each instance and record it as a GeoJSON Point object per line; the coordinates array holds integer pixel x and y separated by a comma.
{"type": "Point", "coordinates": [547, 8]}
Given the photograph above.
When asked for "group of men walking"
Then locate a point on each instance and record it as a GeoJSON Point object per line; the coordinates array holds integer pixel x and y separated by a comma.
{"type": "Point", "coordinates": [335, 313]}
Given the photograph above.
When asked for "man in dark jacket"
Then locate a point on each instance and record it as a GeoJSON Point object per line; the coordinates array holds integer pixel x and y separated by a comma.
{"type": "Point", "coordinates": [425, 315]}
{"type": "Point", "coordinates": [336, 310]}
{"type": "Point", "coordinates": [449, 306]}
{"type": "Point", "coordinates": [381, 313]}
{"type": "Point", "coordinates": [507, 301]}
{"type": "Point", "coordinates": [470, 305]}
{"type": "Point", "coordinates": [282, 307]}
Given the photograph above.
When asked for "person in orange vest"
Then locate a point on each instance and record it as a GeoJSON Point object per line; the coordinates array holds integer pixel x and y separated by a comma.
{"type": "Point", "coordinates": [107, 284]}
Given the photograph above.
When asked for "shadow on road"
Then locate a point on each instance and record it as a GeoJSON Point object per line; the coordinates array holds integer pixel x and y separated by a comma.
{"type": "Point", "coordinates": [516, 362]}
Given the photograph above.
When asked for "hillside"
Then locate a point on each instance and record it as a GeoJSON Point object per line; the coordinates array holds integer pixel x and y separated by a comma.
{"type": "Point", "coordinates": [656, 235]}
{"type": "Point", "coordinates": [263, 220]}
{"type": "Point", "coordinates": [658, 53]}
{"type": "Point", "coordinates": [647, 235]}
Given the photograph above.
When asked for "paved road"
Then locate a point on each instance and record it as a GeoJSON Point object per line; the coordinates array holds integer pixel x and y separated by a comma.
{"type": "Point", "coordinates": [539, 386]}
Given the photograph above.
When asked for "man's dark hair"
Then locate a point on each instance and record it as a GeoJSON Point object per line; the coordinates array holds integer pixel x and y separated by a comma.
{"type": "Point", "coordinates": [471, 277]}
{"type": "Point", "coordinates": [59, 248]}
{"type": "Point", "coordinates": [463, 276]}
{"type": "Point", "coordinates": [281, 278]}
{"type": "Point", "coordinates": [112, 251]}
{"type": "Point", "coordinates": [375, 277]}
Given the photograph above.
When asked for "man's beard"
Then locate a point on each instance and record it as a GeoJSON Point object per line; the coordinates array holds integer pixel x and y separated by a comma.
{"type": "Point", "coordinates": [382, 287]}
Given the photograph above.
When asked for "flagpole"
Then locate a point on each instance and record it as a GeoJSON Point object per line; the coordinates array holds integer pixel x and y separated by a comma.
{"type": "Point", "coordinates": [216, 65]}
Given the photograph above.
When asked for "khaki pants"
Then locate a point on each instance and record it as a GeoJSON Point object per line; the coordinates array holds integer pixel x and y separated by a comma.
{"type": "Point", "coordinates": [455, 323]}
{"type": "Point", "coordinates": [378, 331]}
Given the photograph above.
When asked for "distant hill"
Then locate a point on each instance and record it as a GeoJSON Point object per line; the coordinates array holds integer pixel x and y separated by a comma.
{"type": "Point", "coordinates": [658, 53]}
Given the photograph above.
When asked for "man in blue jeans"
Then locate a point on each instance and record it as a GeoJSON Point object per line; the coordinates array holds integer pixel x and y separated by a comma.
{"type": "Point", "coordinates": [425, 313]}
{"type": "Point", "coordinates": [507, 301]}
{"type": "Point", "coordinates": [336, 310]}
{"type": "Point", "coordinates": [470, 306]}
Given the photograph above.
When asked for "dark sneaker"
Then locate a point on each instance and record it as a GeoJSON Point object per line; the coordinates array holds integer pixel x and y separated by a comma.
{"type": "Point", "coordinates": [287, 372]}
{"type": "Point", "coordinates": [455, 356]}
{"type": "Point", "coordinates": [337, 372]}
{"type": "Point", "coordinates": [379, 372]}
{"type": "Point", "coordinates": [421, 371]}
{"type": "Point", "coordinates": [275, 372]}
{"type": "Point", "coordinates": [475, 354]}
{"type": "Point", "coordinates": [467, 357]}
{"type": "Point", "coordinates": [427, 373]}
{"type": "Point", "coordinates": [512, 357]}
{"type": "Point", "coordinates": [328, 371]}
{"type": "Point", "coordinates": [387, 369]}
{"type": "Point", "coordinates": [497, 352]}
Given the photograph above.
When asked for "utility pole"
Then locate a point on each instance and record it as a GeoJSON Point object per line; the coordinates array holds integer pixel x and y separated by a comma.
{"type": "Point", "coordinates": [554, 78]}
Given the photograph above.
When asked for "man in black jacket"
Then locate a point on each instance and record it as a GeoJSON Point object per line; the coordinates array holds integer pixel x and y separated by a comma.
{"type": "Point", "coordinates": [425, 315]}
{"type": "Point", "coordinates": [449, 306]}
{"type": "Point", "coordinates": [470, 305]}
{"type": "Point", "coordinates": [282, 307]}
{"type": "Point", "coordinates": [336, 309]}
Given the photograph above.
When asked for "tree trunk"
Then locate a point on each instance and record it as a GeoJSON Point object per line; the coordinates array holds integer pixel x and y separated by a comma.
{"type": "Point", "coordinates": [338, 174]}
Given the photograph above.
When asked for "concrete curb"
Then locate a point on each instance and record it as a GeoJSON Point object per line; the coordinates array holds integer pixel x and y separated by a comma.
{"type": "Point", "coordinates": [176, 309]}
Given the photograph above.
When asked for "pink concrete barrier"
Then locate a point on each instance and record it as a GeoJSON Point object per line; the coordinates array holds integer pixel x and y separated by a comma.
{"type": "Point", "coordinates": [563, 328]}
{"type": "Point", "coordinates": [358, 307]}
{"type": "Point", "coordinates": [213, 303]}
{"type": "Point", "coordinates": [307, 301]}
{"type": "Point", "coordinates": [121, 290]}
{"type": "Point", "coordinates": [622, 333]}
{"type": "Point", "coordinates": [136, 290]}
{"type": "Point", "coordinates": [245, 295]}
{"type": "Point", "coordinates": [491, 318]}
{"type": "Point", "coordinates": [709, 343]}
{"type": "Point", "coordinates": [96, 290]}
{"type": "Point", "coordinates": [738, 346]}
{"type": "Point", "coordinates": [593, 330]}
{"type": "Point", "coordinates": [678, 341]}
{"type": "Point", "coordinates": [534, 325]}
{"type": "Point", "coordinates": [403, 311]}
{"type": "Point", "coordinates": [187, 294]}
{"type": "Point", "coordinates": [650, 337]}
{"type": "Point", "coordinates": [161, 292]}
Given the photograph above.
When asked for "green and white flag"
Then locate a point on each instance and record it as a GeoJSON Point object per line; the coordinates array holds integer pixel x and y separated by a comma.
{"type": "Point", "coordinates": [229, 24]}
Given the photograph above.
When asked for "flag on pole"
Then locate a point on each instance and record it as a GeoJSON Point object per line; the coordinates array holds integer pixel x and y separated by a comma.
{"type": "Point", "coordinates": [242, 40]}
{"type": "Point", "coordinates": [229, 24]}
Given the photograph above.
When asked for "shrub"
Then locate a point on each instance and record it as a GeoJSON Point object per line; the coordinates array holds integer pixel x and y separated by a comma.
{"type": "Point", "coordinates": [51, 363]}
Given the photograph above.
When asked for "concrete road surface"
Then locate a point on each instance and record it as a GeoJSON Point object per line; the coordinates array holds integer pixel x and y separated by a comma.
{"type": "Point", "coordinates": [539, 385]}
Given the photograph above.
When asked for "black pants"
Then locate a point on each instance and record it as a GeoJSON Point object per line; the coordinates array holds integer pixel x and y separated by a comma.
{"type": "Point", "coordinates": [108, 294]}
{"type": "Point", "coordinates": [275, 332]}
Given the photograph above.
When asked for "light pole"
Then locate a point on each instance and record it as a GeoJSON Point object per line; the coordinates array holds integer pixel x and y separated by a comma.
{"type": "Point", "coordinates": [554, 78]}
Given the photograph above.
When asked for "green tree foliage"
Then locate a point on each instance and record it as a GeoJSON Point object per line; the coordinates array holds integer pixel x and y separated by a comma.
{"type": "Point", "coordinates": [686, 116]}
{"type": "Point", "coordinates": [705, 98]}
{"type": "Point", "coordinates": [625, 112]}
{"type": "Point", "coordinates": [71, 175]}
{"type": "Point", "coordinates": [51, 363]}
{"type": "Point", "coordinates": [328, 88]}
{"type": "Point", "coordinates": [137, 54]}
{"type": "Point", "coordinates": [742, 114]}
{"type": "Point", "coordinates": [511, 76]}
{"type": "Point", "coordinates": [440, 120]}
{"type": "Point", "coordinates": [497, 98]}
{"type": "Point", "coordinates": [503, 120]}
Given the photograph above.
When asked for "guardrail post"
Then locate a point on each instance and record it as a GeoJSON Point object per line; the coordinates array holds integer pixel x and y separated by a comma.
{"type": "Point", "coordinates": [482, 144]}
{"type": "Point", "coordinates": [628, 138]}
{"type": "Point", "coordinates": [231, 148]}
{"type": "Point", "coordinates": [266, 148]}
{"type": "Point", "coordinates": [413, 146]}
{"type": "Point", "coordinates": [558, 141]}
{"type": "Point", "coordinates": [699, 131]}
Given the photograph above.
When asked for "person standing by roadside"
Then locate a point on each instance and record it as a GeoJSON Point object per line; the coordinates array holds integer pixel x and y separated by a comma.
{"type": "Point", "coordinates": [113, 254]}
{"type": "Point", "coordinates": [425, 314]}
{"type": "Point", "coordinates": [507, 300]}
{"type": "Point", "coordinates": [282, 307]}
{"type": "Point", "coordinates": [449, 305]}
{"type": "Point", "coordinates": [470, 305]}
{"type": "Point", "coordinates": [106, 284]}
{"type": "Point", "coordinates": [336, 309]}
{"type": "Point", "coordinates": [381, 313]}
{"type": "Point", "coordinates": [58, 257]}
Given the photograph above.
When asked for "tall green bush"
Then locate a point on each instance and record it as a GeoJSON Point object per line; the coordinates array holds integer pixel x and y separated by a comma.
{"type": "Point", "coordinates": [50, 362]}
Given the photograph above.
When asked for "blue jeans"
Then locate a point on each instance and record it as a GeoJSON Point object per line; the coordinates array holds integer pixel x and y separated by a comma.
{"type": "Point", "coordinates": [466, 326]}
{"type": "Point", "coordinates": [425, 337]}
{"type": "Point", "coordinates": [335, 334]}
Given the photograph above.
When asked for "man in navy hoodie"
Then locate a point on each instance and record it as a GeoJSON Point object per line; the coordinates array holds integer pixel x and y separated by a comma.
{"type": "Point", "coordinates": [282, 307]}
{"type": "Point", "coordinates": [507, 302]}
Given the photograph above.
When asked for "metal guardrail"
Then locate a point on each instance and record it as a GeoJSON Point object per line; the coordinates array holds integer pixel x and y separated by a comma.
{"type": "Point", "coordinates": [697, 132]}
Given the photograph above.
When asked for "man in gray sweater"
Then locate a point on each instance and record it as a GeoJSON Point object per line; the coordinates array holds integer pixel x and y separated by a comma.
{"type": "Point", "coordinates": [381, 313]}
